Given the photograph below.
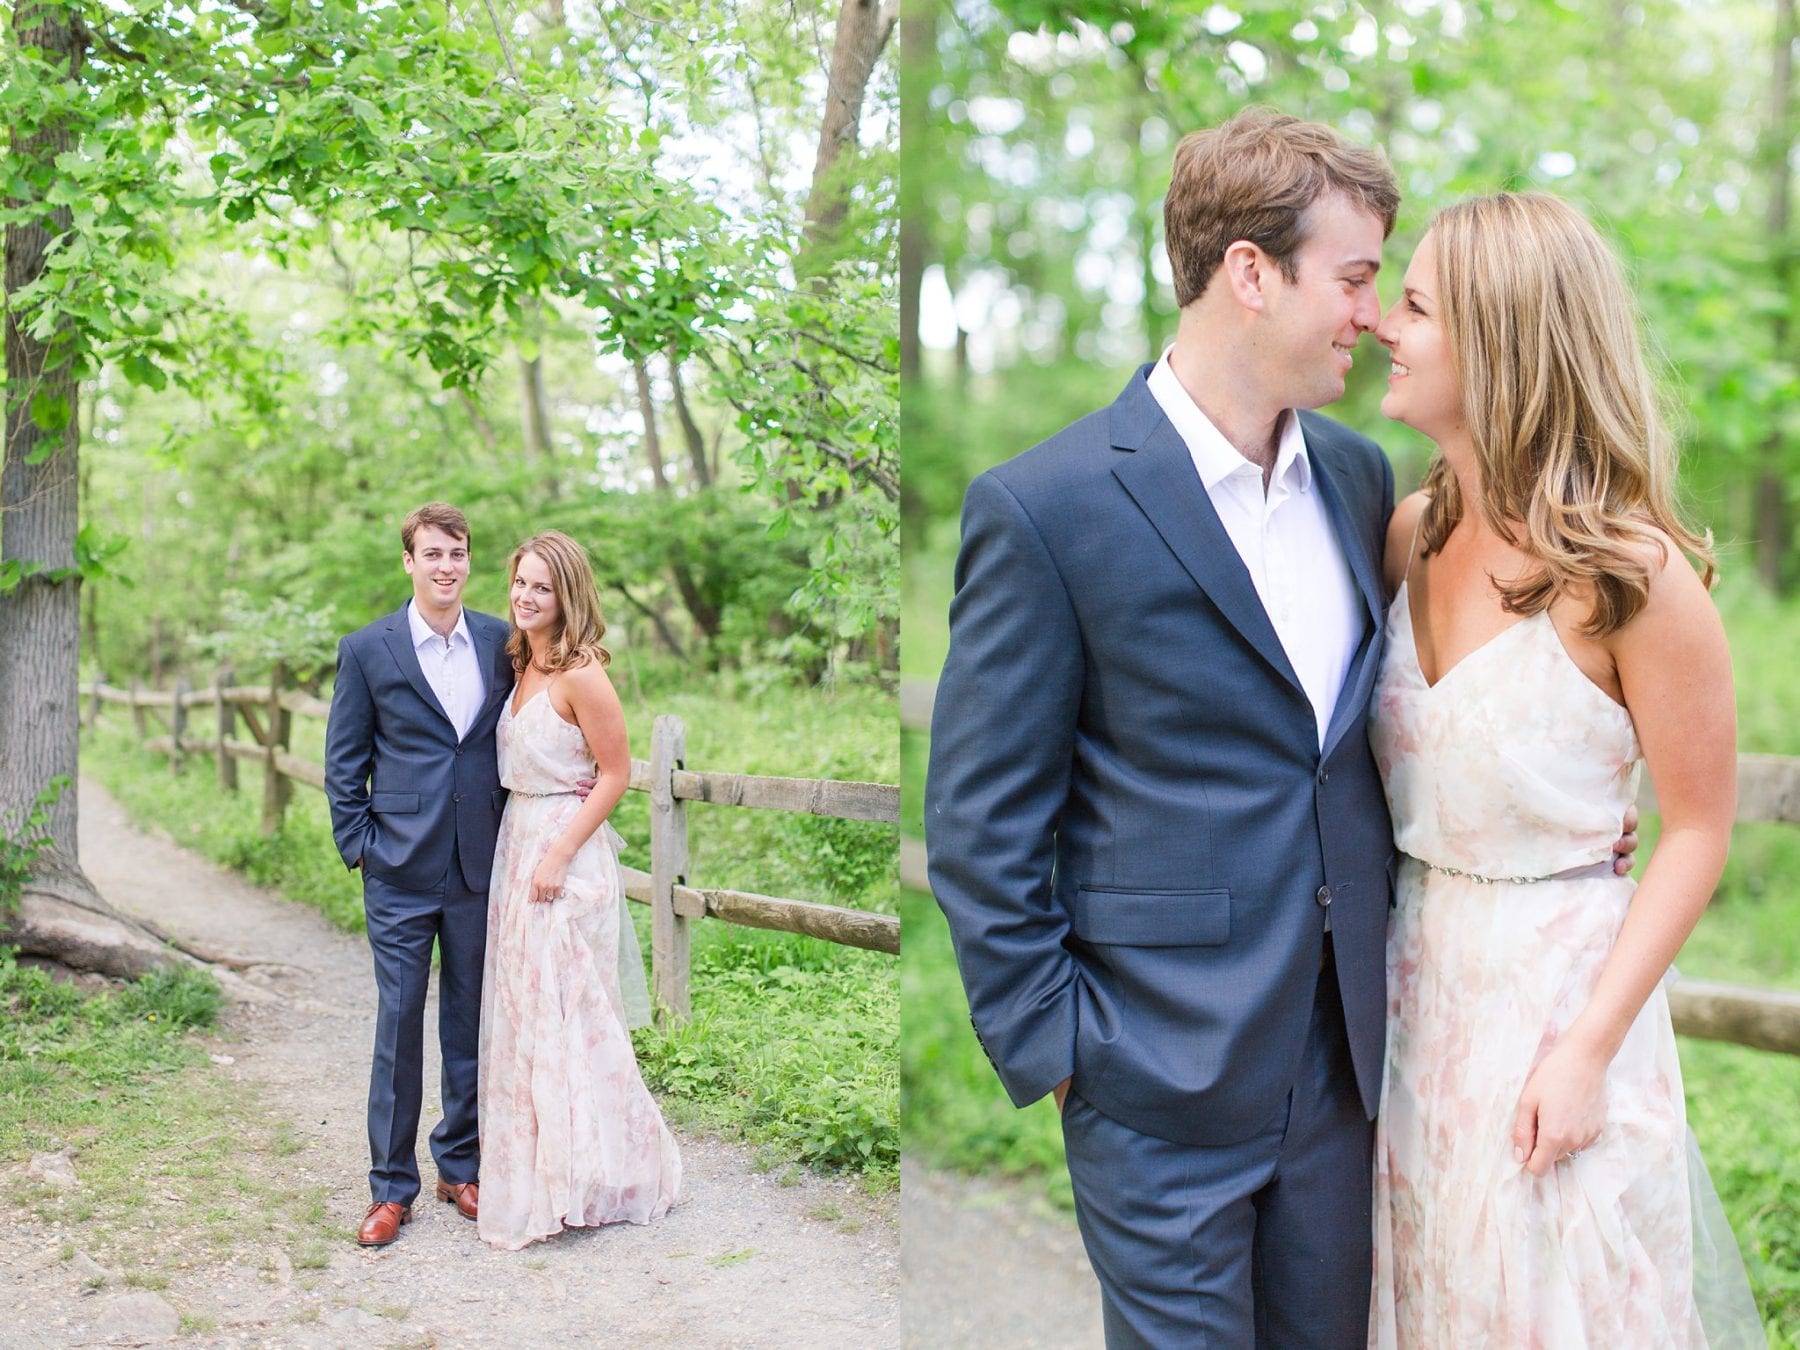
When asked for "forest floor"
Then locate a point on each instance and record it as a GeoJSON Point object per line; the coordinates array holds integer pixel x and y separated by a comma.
{"type": "Point", "coordinates": [244, 1237]}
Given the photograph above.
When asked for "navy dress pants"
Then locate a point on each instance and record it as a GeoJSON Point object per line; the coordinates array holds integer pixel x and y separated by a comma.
{"type": "Point", "coordinates": [1260, 1243]}
{"type": "Point", "coordinates": [402, 928]}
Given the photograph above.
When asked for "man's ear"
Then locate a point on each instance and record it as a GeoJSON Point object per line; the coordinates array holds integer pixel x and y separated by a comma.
{"type": "Point", "coordinates": [1246, 268]}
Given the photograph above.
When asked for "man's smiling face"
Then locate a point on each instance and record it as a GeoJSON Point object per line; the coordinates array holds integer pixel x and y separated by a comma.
{"type": "Point", "coordinates": [439, 568]}
{"type": "Point", "coordinates": [1311, 324]}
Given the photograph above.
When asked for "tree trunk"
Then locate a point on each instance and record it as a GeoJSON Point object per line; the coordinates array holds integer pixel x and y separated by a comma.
{"type": "Point", "coordinates": [690, 429]}
{"type": "Point", "coordinates": [656, 618]}
{"type": "Point", "coordinates": [652, 441]}
{"type": "Point", "coordinates": [62, 917]}
{"type": "Point", "coordinates": [537, 421]}
{"type": "Point", "coordinates": [39, 497]}
{"type": "Point", "coordinates": [59, 913]}
{"type": "Point", "coordinates": [918, 52]}
{"type": "Point", "coordinates": [706, 616]}
{"type": "Point", "coordinates": [1773, 526]}
{"type": "Point", "coordinates": [863, 28]}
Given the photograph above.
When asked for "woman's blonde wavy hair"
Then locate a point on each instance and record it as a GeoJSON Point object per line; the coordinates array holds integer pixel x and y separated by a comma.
{"type": "Point", "coordinates": [577, 640]}
{"type": "Point", "coordinates": [1566, 419]}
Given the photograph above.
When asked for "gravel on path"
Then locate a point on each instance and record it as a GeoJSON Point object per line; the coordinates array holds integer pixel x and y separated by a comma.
{"type": "Point", "coordinates": [749, 1259]}
{"type": "Point", "coordinates": [988, 1264]}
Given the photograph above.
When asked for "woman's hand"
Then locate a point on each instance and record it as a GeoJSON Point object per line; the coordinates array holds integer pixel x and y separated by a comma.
{"type": "Point", "coordinates": [547, 881]}
{"type": "Point", "coordinates": [1562, 1109]}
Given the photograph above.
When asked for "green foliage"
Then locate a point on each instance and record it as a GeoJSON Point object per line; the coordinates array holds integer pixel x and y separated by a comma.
{"type": "Point", "coordinates": [298, 250]}
{"type": "Point", "coordinates": [116, 1079]}
{"type": "Point", "coordinates": [21, 843]}
{"type": "Point", "coordinates": [55, 1038]}
{"type": "Point", "coordinates": [258, 634]}
{"type": "Point", "coordinates": [183, 996]}
{"type": "Point", "coordinates": [94, 552]}
{"type": "Point", "coordinates": [1037, 181]}
{"type": "Point", "coordinates": [793, 1044]}
{"type": "Point", "coordinates": [955, 1112]}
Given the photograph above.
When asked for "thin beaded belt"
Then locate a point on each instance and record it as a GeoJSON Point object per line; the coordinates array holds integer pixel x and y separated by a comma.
{"type": "Point", "coordinates": [1586, 872]}
{"type": "Point", "coordinates": [560, 792]}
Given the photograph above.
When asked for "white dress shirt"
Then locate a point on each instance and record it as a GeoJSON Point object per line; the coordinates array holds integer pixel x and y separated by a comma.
{"type": "Point", "coordinates": [1285, 539]}
{"type": "Point", "coordinates": [450, 666]}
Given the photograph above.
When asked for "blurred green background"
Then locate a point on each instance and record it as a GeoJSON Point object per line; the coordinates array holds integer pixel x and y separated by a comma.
{"type": "Point", "coordinates": [1037, 139]}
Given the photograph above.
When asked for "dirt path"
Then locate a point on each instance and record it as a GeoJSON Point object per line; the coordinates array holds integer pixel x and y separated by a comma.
{"type": "Point", "coordinates": [750, 1259]}
{"type": "Point", "coordinates": [988, 1265]}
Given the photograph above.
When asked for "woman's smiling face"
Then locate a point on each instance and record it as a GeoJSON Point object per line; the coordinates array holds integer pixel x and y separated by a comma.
{"type": "Point", "coordinates": [1424, 390]}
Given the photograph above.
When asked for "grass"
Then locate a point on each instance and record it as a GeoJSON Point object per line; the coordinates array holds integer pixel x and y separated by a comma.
{"type": "Point", "coordinates": [793, 1041]}
{"type": "Point", "coordinates": [159, 1141]}
{"type": "Point", "coordinates": [1740, 1101]}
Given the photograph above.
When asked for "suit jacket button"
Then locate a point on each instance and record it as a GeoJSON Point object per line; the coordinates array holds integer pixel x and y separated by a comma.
{"type": "Point", "coordinates": [457, 797]}
{"type": "Point", "coordinates": [1324, 775]}
{"type": "Point", "coordinates": [1324, 896]}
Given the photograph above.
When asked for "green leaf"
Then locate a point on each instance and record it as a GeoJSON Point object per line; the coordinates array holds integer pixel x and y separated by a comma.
{"type": "Point", "coordinates": [142, 371]}
{"type": "Point", "coordinates": [50, 411]}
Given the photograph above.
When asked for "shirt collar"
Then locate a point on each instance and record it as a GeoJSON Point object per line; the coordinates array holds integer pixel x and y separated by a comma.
{"type": "Point", "coordinates": [421, 630]}
{"type": "Point", "coordinates": [1215, 457]}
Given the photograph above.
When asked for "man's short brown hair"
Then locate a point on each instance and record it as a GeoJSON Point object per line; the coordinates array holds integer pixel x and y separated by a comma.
{"type": "Point", "coordinates": [439, 515]}
{"type": "Point", "coordinates": [1253, 178]}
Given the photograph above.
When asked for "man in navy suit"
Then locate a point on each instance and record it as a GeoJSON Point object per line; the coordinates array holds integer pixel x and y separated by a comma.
{"type": "Point", "coordinates": [415, 796]}
{"type": "Point", "coordinates": [1155, 825]}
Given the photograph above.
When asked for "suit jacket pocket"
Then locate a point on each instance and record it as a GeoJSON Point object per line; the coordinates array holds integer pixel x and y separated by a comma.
{"type": "Point", "coordinates": [1153, 918]}
{"type": "Point", "coordinates": [394, 803]}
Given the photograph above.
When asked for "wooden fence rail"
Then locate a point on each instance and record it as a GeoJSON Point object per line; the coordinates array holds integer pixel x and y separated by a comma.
{"type": "Point", "coordinates": [1768, 790]}
{"type": "Point", "coordinates": [268, 710]}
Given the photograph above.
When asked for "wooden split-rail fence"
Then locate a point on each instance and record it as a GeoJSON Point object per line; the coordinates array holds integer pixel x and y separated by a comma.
{"type": "Point", "coordinates": [268, 710]}
{"type": "Point", "coordinates": [1768, 790]}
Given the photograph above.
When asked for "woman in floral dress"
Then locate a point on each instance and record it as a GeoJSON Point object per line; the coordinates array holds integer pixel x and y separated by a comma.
{"type": "Point", "coordinates": [570, 1136]}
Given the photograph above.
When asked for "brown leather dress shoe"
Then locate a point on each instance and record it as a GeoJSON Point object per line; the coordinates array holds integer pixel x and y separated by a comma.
{"type": "Point", "coordinates": [381, 1225]}
{"type": "Point", "coordinates": [464, 1193]}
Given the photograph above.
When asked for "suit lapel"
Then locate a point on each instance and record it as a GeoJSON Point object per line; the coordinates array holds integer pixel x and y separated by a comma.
{"type": "Point", "coordinates": [1355, 693]}
{"type": "Point", "coordinates": [1161, 479]}
{"type": "Point", "coordinates": [496, 669]}
{"type": "Point", "coordinates": [398, 636]}
{"type": "Point", "coordinates": [1329, 477]}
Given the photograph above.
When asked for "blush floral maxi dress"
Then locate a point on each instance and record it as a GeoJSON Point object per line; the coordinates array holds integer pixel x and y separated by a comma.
{"type": "Point", "coordinates": [570, 1136]}
{"type": "Point", "coordinates": [1507, 781]}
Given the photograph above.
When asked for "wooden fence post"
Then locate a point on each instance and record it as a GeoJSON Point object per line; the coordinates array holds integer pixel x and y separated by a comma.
{"type": "Point", "coordinates": [669, 935]}
{"type": "Point", "coordinates": [276, 788]}
{"type": "Point", "coordinates": [177, 724]}
{"type": "Point", "coordinates": [94, 700]}
{"type": "Point", "coordinates": [137, 712]}
{"type": "Point", "coordinates": [227, 713]}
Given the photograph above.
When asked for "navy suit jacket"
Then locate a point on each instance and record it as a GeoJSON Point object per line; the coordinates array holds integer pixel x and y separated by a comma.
{"type": "Point", "coordinates": [1133, 832]}
{"type": "Point", "coordinates": [407, 797]}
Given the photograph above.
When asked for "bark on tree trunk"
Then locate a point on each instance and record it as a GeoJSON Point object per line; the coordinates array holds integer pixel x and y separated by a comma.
{"type": "Point", "coordinates": [652, 441]}
{"type": "Point", "coordinates": [863, 28]}
{"type": "Point", "coordinates": [59, 913]}
{"type": "Point", "coordinates": [656, 618]}
{"type": "Point", "coordinates": [690, 429]}
{"type": "Point", "coordinates": [706, 616]}
{"type": "Point", "coordinates": [537, 421]}
{"type": "Point", "coordinates": [39, 497]}
{"type": "Point", "coordinates": [918, 49]}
